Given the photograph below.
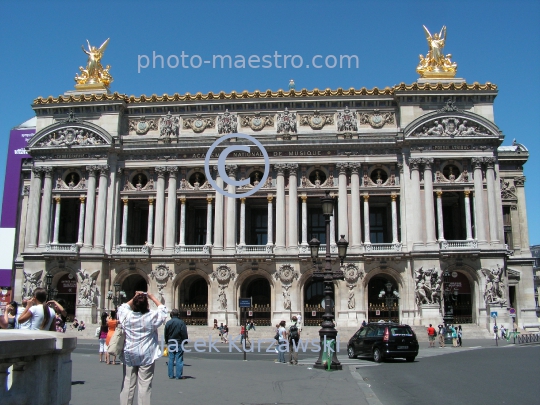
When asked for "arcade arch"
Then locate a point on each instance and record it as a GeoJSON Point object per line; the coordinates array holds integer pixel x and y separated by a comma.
{"type": "Point", "coordinates": [193, 299]}
{"type": "Point", "coordinates": [379, 307]}
{"type": "Point", "coordinates": [258, 288]}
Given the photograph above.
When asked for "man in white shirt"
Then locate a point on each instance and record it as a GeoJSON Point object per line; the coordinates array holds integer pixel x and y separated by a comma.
{"type": "Point", "coordinates": [299, 322]}
{"type": "Point", "coordinates": [20, 310]}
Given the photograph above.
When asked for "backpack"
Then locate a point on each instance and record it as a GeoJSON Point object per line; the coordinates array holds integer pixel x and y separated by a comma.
{"type": "Point", "coordinates": [293, 333]}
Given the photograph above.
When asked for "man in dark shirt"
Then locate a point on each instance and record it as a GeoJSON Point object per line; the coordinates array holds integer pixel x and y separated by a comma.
{"type": "Point", "coordinates": [175, 334]}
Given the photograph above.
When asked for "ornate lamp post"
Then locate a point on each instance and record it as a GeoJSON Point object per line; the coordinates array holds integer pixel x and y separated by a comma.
{"type": "Point", "coordinates": [390, 297]}
{"type": "Point", "coordinates": [48, 285]}
{"type": "Point", "coordinates": [328, 330]}
{"type": "Point", "coordinates": [450, 296]}
{"type": "Point", "coordinates": [116, 296]}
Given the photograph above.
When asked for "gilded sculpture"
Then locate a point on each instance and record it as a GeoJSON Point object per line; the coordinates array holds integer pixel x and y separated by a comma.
{"type": "Point", "coordinates": [436, 64]}
{"type": "Point", "coordinates": [94, 76]}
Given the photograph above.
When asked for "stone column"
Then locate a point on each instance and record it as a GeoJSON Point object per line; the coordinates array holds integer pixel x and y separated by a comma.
{"type": "Point", "coordinates": [90, 207]}
{"type": "Point", "coordinates": [230, 232]}
{"type": "Point", "coordinates": [182, 241]}
{"type": "Point", "coordinates": [270, 238]}
{"type": "Point", "coordinates": [428, 202]}
{"type": "Point", "coordinates": [149, 233]}
{"type": "Point", "coordinates": [343, 219]}
{"type": "Point", "coordinates": [293, 208]}
{"type": "Point", "coordinates": [416, 231]}
{"type": "Point", "coordinates": [45, 218]}
{"type": "Point", "coordinates": [242, 221]}
{"type": "Point", "coordinates": [394, 219]}
{"type": "Point", "coordinates": [492, 205]}
{"type": "Point", "coordinates": [280, 207]}
{"type": "Point", "coordinates": [440, 215]}
{"type": "Point", "coordinates": [102, 207]}
{"type": "Point", "coordinates": [218, 217]}
{"type": "Point", "coordinates": [304, 220]}
{"type": "Point", "coordinates": [366, 220]}
{"type": "Point", "coordinates": [56, 219]}
{"type": "Point", "coordinates": [160, 207]}
{"type": "Point", "coordinates": [333, 230]}
{"type": "Point", "coordinates": [80, 236]}
{"type": "Point", "coordinates": [356, 230]}
{"type": "Point", "coordinates": [171, 209]}
{"type": "Point", "coordinates": [479, 200]}
{"type": "Point", "coordinates": [468, 224]}
{"type": "Point", "coordinates": [209, 221]}
{"type": "Point", "coordinates": [32, 221]}
{"type": "Point", "coordinates": [519, 183]}
{"type": "Point", "coordinates": [125, 221]}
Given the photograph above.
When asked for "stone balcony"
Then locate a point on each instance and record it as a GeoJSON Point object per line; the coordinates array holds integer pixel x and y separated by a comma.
{"type": "Point", "coordinates": [188, 250]}
{"type": "Point", "coordinates": [458, 244]}
{"type": "Point", "coordinates": [133, 250]}
{"type": "Point", "coordinates": [62, 248]}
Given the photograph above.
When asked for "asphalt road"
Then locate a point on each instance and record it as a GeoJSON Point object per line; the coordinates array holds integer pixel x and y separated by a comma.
{"type": "Point", "coordinates": [479, 373]}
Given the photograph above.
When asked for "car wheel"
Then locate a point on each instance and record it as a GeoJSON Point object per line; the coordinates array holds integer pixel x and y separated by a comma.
{"type": "Point", "coordinates": [377, 355]}
{"type": "Point", "coordinates": [350, 352]}
{"type": "Point", "coordinates": [410, 359]}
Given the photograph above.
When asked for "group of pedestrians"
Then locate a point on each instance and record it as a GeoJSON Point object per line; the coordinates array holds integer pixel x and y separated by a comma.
{"type": "Point", "coordinates": [287, 339]}
{"type": "Point", "coordinates": [456, 332]}
{"type": "Point", "coordinates": [35, 313]}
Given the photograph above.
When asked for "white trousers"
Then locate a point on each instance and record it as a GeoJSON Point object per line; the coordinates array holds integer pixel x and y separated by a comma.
{"type": "Point", "coordinates": [140, 377]}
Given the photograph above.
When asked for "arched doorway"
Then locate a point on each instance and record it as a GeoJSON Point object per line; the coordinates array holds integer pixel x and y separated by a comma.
{"type": "Point", "coordinates": [314, 301]}
{"type": "Point", "coordinates": [461, 303]}
{"type": "Point", "coordinates": [258, 289]}
{"type": "Point", "coordinates": [383, 303]}
{"type": "Point", "coordinates": [67, 292]}
{"type": "Point", "coordinates": [193, 300]}
{"type": "Point", "coordinates": [132, 283]}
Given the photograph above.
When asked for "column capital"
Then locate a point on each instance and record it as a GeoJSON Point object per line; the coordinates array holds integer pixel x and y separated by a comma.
{"type": "Point", "coordinates": [125, 200]}
{"type": "Point", "coordinates": [490, 162]}
{"type": "Point", "coordinates": [92, 170]}
{"type": "Point", "coordinates": [103, 169]}
{"type": "Point", "coordinates": [182, 200]}
{"type": "Point", "coordinates": [231, 170]}
{"type": "Point", "coordinates": [477, 162]}
{"type": "Point", "coordinates": [172, 170]}
{"type": "Point", "coordinates": [209, 199]}
{"type": "Point", "coordinates": [293, 168]}
{"type": "Point", "coordinates": [414, 163]}
{"type": "Point", "coordinates": [439, 193]}
{"type": "Point", "coordinates": [427, 162]}
{"type": "Point", "coordinates": [47, 170]}
{"type": "Point", "coordinates": [467, 193]}
{"type": "Point", "coordinates": [366, 197]}
{"type": "Point", "coordinates": [37, 170]}
{"type": "Point", "coordinates": [342, 167]}
{"type": "Point", "coordinates": [519, 181]}
{"type": "Point", "coordinates": [280, 168]}
{"type": "Point", "coordinates": [160, 170]}
{"type": "Point", "coordinates": [304, 198]}
{"type": "Point", "coordinates": [354, 166]}
{"type": "Point", "coordinates": [242, 200]}
{"type": "Point", "coordinates": [150, 200]}
{"type": "Point", "coordinates": [393, 197]}
{"type": "Point", "coordinates": [57, 199]}
{"type": "Point", "coordinates": [82, 199]}
{"type": "Point", "coordinates": [270, 198]}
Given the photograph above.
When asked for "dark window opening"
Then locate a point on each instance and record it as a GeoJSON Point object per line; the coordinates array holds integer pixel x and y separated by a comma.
{"type": "Point", "coordinates": [68, 231]}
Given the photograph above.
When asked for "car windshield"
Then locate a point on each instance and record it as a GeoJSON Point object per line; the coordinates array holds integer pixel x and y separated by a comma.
{"type": "Point", "coordinates": [400, 331]}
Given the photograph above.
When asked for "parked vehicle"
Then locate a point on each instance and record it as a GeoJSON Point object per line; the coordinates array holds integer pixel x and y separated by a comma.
{"type": "Point", "coordinates": [384, 341]}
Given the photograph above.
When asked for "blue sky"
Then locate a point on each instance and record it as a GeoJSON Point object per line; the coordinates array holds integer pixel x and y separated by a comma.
{"type": "Point", "coordinates": [495, 41]}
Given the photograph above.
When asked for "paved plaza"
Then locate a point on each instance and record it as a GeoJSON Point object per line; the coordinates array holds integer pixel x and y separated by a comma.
{"type": "Point", "coordinates": [473, 374]}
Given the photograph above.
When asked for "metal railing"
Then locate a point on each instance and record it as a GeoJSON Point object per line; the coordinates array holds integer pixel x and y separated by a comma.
{"type": "Point", "coordinates": [132, 249]}
{"type": "Point", "coordinates": [193, 249]}
{"type": "Point", "coordinates": [62, 247]}
{"type": "Point", "coordinates": [253, 249]}
{"type": "Point", "coordinates": [528, 338]}
{"type": "Point", "coordinates": [459, 244]}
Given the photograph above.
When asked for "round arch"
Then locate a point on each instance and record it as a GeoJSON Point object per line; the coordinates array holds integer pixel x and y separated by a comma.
{"type": "Point", "coordinates": [191, 296]}
{"type": "Point", "coordinates": [259, 286]}
{"type": "Point", "coordinates": [311, 297]}
{"type": "Point", "coordinates": [465, 305]}
{"type": "Point", "coordinates": [378, 307]}
{"type": "Point", "coordinates": [139, 282]}
{"type": "Point", "coordinates": [66, 282]}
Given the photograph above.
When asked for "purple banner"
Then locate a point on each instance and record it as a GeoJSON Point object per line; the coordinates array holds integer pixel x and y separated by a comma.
{"type": "Point", "coordinates": [18, 138]}
{"type": "Point", "coordinates": [5, 278]}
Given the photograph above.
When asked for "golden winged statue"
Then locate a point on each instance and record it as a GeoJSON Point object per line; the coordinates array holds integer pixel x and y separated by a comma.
{"type": "Point", "coordinates": [435, 64]}
{"type": "Point", "coordinates": [94, 76]}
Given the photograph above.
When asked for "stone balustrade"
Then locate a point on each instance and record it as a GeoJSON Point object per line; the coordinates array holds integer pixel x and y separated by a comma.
{"type": "Point", "coordinates": [35, 367]}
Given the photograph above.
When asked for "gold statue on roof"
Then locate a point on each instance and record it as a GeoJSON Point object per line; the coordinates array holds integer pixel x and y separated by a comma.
{"type": "Point", "coordinates": [435, 64]}
{"type": "Point", "coordinates": [94, 76]}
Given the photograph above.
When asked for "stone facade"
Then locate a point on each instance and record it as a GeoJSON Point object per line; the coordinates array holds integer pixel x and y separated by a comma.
{"type": "Point", "coordinates": [118, 194]}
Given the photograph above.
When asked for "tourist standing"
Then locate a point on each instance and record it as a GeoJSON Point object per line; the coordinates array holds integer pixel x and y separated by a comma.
{"type": "Point", "coordinates": [431, 335]}
{"type": "Point", "coordinates": [459, 336]}
{"type": "Point", "coordinates": [102, 336]}
{"type": "Point", "coordinates": [454, 335]}
{"type": "Point", "coordinates": [225, 333]}
{"type": "Point", "coordinates": [112, 323]}
{"type": "Point", "coordinates": [175, 333]}
{"type": "Point", "coordinates": [282, 341]}
{"type": "Point", "coordinates": [61, 315]}
{"type": "Point", "coordinates": [442, 334]}
{"type": "Point", "coordinates": [294, 338]}
{"type": "Point", "coordinates": [10, 316]}
{"type": "Point", "coordinates": [299, 320]}
{"type": "Point", "coordinates": [37, 311]}
{"type": "Point", "coordinates": [141, 347]}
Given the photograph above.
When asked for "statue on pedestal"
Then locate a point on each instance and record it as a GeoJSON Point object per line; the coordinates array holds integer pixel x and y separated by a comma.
{"type": "Point", "coordinates": [94, 76]}
{"type": "Point", "coordinates": [435, 64]}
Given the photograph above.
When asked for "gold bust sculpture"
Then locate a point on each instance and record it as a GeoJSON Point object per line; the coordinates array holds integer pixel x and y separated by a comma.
{"type": "Point", "coordinates": [435, 64]}
{"type": "Point", "coordinates": [94, 76]}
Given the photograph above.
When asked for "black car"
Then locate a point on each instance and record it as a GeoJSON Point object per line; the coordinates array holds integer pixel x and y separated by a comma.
{"type": "Point", "coordinates": [384, 341]}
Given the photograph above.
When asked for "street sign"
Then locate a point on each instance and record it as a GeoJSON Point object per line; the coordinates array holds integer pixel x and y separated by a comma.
{"type": "Point", "coordinates": [244, 302]}
{"type": "Point", "coordinates": [494, 314]}
{"type": "Point", "coordinates": [512, 315]}
{"type": "Point", "coordinates": [250, 313]}
{"type": "Point", "coordinates": [512, 311]}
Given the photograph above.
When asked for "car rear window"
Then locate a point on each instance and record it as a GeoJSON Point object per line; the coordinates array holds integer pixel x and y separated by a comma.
{"type": "Point", "coordinates": [401, 331]}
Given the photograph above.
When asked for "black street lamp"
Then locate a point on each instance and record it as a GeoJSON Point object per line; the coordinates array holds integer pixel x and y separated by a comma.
{"type": "Point", "coordinates": [390, 298]}
{"type": "Point", "coordinates": [328, 330]}
{"type": "Point", "coordinates": [450, 297]}
{"type": "Point", "coordinates": [48, 285]}
{"type": "Point", "coordinates": [116, 296]}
